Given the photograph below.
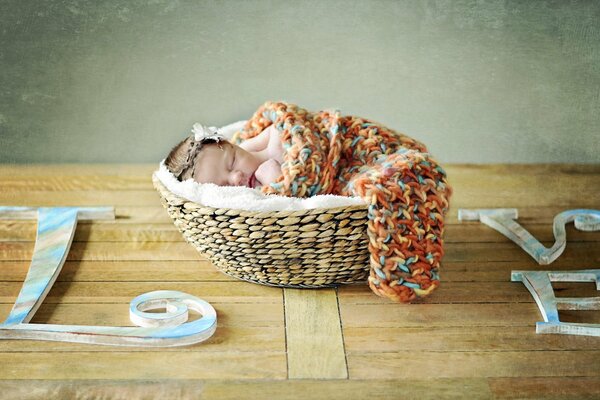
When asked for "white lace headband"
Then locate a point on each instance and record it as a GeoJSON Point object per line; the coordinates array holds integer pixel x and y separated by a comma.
{"type": "Point", "coordinates": [202, 132]}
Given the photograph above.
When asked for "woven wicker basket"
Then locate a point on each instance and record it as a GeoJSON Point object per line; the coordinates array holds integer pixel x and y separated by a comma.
{"type": "Point", "coordinates": [312, 248]}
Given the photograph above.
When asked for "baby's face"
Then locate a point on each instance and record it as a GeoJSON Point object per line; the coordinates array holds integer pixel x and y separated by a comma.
{"type": "Point", "coordinates": [226, 164]}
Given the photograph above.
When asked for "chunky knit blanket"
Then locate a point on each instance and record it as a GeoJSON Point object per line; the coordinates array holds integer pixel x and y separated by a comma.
{"type": "Point", "coordinates": [405, 189]}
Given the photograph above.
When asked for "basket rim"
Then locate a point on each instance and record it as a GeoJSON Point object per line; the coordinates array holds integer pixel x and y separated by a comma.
{"type": "Point", "coordinates": [174, 199]}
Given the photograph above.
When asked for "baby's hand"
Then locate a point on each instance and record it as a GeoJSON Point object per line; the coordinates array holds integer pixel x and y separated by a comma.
{"type": "Point", "coordinates": [268, 172]}
{"type": "Point", "coordinates": [274, 147]}
{"type": "Point", "coordinates": [267, 143]}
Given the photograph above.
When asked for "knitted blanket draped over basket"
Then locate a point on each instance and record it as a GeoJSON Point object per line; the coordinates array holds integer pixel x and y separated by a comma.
{"type": "Point", "coordinates": [405, 189]}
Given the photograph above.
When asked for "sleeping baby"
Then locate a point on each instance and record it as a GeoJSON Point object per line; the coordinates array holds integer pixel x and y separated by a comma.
{"type": "Point", "coordinates": [207, 157]}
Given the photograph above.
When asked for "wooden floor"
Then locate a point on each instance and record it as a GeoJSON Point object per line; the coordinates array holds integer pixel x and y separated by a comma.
{"type": "Point", "coordinates": [472, 338]}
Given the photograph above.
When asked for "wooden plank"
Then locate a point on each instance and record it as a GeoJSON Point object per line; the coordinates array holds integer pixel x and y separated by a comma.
{"type": "Point", "coordinates": [523, 169]}
{"type": "Point", "coordinates": [306, 389]}
{"type": "Point", "coordinates": [123, 271]}
{"type": "Point", "coordinates": [494, 174]}
{"type": "Point", "coordinates": [147, 365]}
{"type": "Point", "coordinates": [466, 292]}
{"type": "Point", "coordinates": [516, 186]}
{"type": "Point", "coordinates": [545, 388]}
{"type": "Point", "coordinates": [438, 315]}
{"type": "Point", "coordinates": [449, 292]}
{"type": "Point", "coordinates": [203, 270]}
{"type": "Point", "coordinates": [110, 251]}
{"type": "Point", "coordinates": [474, 186]}
{"type": "Point", "coordinates": [11, 231]}
{"type": "Point", "coordinates": [499, 271]}
{"type": "Point", "coordinates": [531, 191]}
{"type": "Point", "coordinates": [65, 182]}
{"type": "Point", "coordinates": [239, 315]}
{"type": "Point", "coordinates": [475, 232]}
{"type": "Point", "coordinates": [512, 252]}
{"type": "Point", "coordinates": [240, 291]}
{"type": "Point", "coordinates": [51, 170]}
{"type": "Point", "coordinates": [116, 231]}
{"type": "Point", "coordinates": [498, 186]}
{"type": "Point", "coordinates": [121, 292]}
{"type": "Point", "coordinates": [152, 214]}
{"type": "Point", "coordinates": [501, 388]}
{"type": "Point", "coordinates": [22, 232]}
{"type": "Point", "coordinates": [225, 339]}
{"type": "Point", "coordinates": [453, 170]}
{"type": "Point", "coordinates": [465, 198]}
{"type": "Point", "coordinates": [42, 198]}
{"type": "Point", "coordinates": [452, 315]}
{"type": "Point", "coordinates": [528, 216]}
{"type": "Point", "coordinates": [413, 364]}
{"type": "Point", "coordinates": [172, 251]}
{"type": "Point", "coordinates": [458, 338]}
{"type": "Point", "coordinates": [315, 345]}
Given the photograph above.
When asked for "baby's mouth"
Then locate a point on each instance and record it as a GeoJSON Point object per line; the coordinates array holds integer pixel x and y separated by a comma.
{"type": "Point", "coordinates": [252, 181]}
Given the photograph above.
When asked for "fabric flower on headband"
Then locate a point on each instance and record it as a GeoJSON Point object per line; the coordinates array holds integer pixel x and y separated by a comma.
{"type": "Point", "coordinates": [202, 132]}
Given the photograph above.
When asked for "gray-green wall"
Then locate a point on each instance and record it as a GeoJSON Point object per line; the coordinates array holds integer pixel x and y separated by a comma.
{"type": "Point", "coordinates": [122, 81]}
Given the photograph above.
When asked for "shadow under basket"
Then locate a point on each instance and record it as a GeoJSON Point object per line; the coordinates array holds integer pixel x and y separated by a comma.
{"type": "Point", "coordinates": [313, 248]}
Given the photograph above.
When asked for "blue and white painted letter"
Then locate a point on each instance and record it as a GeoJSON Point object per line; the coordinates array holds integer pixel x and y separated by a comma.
{"type": "Point", "coordinates": [56, 227]}
{"type": "Point", "coordinates": [503, 220]}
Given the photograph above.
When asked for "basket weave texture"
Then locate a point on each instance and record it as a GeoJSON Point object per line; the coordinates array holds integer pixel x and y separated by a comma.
{"type": "Point", "coordinates": [311, 248]}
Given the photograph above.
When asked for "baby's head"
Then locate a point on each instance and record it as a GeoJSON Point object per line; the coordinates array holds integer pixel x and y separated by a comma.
{"type": "Point", "coordinates": [212, 160]}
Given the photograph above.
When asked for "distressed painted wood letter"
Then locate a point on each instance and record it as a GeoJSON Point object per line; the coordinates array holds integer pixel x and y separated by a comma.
{"type": "Point", "coordinates": [503, 220]}
{"type": "Point", "coordinates": [56, 227]}
{"type": "Point", "coordinates": [539, 284]}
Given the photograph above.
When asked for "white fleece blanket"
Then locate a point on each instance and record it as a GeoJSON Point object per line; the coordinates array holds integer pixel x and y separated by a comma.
{"type": "Point", "coordinates": [245, 198]}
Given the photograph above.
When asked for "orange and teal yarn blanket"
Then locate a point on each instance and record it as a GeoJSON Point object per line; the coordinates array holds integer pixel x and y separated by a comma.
{"type": "Point", "coordinates": [405, 189]}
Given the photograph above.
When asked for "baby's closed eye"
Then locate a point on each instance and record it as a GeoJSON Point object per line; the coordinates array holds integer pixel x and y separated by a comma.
{"type": "Point", "coordinates": [233, 156]}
